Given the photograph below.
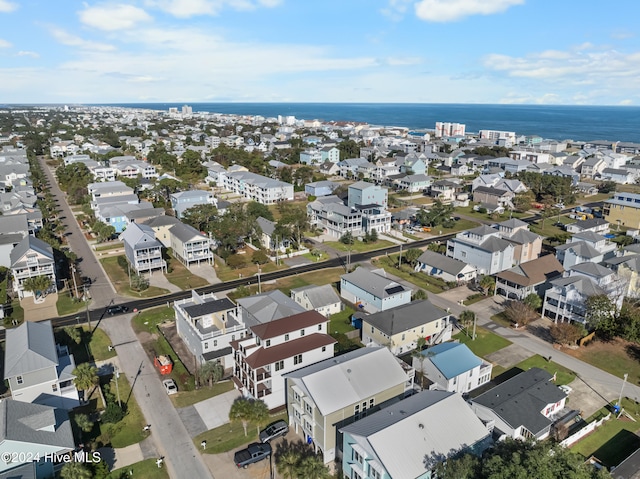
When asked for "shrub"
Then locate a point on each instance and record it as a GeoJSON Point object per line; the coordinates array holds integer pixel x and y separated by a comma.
{"type": "Point", "coordinates": [236, 261]}
{"type": "Point", "coordinates": [260, 257]}
{"type": "Point", "coordinates": [519, 313]}
{"type": "Point", "coordinates": [566, 333]}
{"type": "Point", "coordinates": [112, 413]}
{"type": "Point", "coordinates": [123, 263]}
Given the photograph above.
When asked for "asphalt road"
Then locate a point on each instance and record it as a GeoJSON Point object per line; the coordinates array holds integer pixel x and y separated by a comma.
{"type": "Point", "coordinates": [102, 291]}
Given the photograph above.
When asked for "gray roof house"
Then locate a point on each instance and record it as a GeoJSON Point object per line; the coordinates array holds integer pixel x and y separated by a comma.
{"type": "Point", "coordinates": [410, 437]}
{"type": "Point", "coordinates": [183, 200]}
{"type": "Point", "coordinates": [522, 407]}
{"type": "Point", "coordinates": [30, 258]}
{"type": "Point", "coordinates": [207, 325]}
{"type": "Point", "coordinates": [190, 245]}
{"type": "Point", "coordinates": [40, 430]}
{"type": "Point", "coordinates": [400, 328]}
{"type": "Point", "coordinates": [38, 370]}
{"type": "Point", "coordinates": [266, 307]}
{"type": "Point", "coordinates": [268, 240]}
{"type": "Point", "coordinates": [143, 250]}
{"type": "Point", "coordinates": [441, 266]}
{"type": "Point", "coordinates": [322, 299]}
{"type": "Point", "coordinates": [372, 291]}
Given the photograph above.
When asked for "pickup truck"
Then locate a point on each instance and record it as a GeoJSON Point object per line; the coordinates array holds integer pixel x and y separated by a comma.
{"type": "Point", "coordinates": [255, 452]}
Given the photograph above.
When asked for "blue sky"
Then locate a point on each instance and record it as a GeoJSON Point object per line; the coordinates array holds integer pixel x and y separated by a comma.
{"type": "Point", "coordinates": [431, 51]}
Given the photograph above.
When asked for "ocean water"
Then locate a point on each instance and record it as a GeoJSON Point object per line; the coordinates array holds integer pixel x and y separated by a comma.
{"type": "Point", "coordinates": [614, 123]}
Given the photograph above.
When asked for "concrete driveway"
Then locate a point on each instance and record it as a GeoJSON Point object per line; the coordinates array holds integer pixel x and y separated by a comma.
{"type": "Point", "coordinates": [215, 411]}
{"type": "Point", "coordinates": [205, 271]}
{"type": "Point", "coordinates": [159, 280]}
{"type": "Point", "coordinates": [584, 398]}
{"type": "Point", "coordinates": [42, 310]}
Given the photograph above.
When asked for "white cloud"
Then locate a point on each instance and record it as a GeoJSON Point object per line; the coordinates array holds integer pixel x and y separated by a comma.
{"type": "Point", "coordinates": [26, 53]}
{"type": "Point", "coordinates": [190, 8]}
{"type": "Point", "coordinates": [6, 6]}
{"type": "Point", "coordinates": [396, 9]}
{"type": "Point", "coordinates": [74, 41]}
{"type": "Point", "coordinates": [5, 44]}
{"type": "Point", "coordinates": [403, 61]}
{"type": "Point", "coordinates": [453, 10]}
{"type": "Point", "coordinates": [113, 17]}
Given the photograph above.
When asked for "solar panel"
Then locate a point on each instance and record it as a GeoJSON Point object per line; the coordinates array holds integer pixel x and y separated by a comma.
{"type": "Point", "coordinates": [394, 289]}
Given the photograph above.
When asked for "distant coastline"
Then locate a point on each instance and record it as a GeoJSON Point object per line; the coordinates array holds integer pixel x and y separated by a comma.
{"type": "Point", "coordinates": [560, 122]}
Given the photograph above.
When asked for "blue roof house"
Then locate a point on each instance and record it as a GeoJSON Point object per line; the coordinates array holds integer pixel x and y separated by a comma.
{"type": "Point", "coordinates": [453, 367]}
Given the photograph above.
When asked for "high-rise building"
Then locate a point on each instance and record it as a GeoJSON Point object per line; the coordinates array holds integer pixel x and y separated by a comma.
{"type": "Point", "coordinates": [187, 110]}
{"type": "Point", "coordinates": [449, 129]}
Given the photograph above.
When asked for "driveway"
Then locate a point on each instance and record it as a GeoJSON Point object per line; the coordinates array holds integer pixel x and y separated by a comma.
{"type": "Point", "coordinates": [42, 310]}
{"type": "Point", "coordinates": [168, 433]}
{"type": "Point", "coordinates": [102, 292]}
{"type": "Point", "coordinates": [159, 280]}
{"type": "Point", "coordinates": [205, 271]}
{"type": "Point", "coordinates": [214, 411]}
{"type": "Point", "coordinates": [509, 356]}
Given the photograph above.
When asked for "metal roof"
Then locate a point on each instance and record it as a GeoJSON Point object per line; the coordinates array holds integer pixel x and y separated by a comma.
{"type": "Point", "coordinates": [29, 347]}
{"type": "Point", "coordinates": [452, 359]}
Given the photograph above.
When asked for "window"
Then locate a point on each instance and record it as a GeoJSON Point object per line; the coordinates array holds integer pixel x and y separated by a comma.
{"type": "Point", "coordinates": [268, 343]}
{"type": "Point", "coordinates": [319, 327]}
{"type": "Point", "coordinates": [297, 359]}
{"type": "Point", "coordinates": [308, 408]}
{"type": "Point", "coordinates": [402, 336]}
{"type": "Point", "coordinates": [206, 345]}
{"type": "Point", "coordinates": [279, 365]}
{"type": "Point", "coordinates": [463, 254]}
{"type": "Point", "coordinates": [215, 343]}
{"type": "Point", "coordinates": [372, 329]}
{"type": "Point", "coordinates": [302, 332]}
{"type": "Point", "coordinates": [357, 457]}
{"type": "Point", "coordinates": [374, 474]}
{"type": "Point", "coordinates": [19, 379]}
{"type": "Point", "coordinates": [324, 348]}
{"type": "Point", "coordinates": [286, 337]}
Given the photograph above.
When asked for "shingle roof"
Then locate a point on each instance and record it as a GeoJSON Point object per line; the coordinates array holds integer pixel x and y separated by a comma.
{"type": "Point", "coordinates": [29, 347]}
{"type": "Point", "coordinates": [580, 248]}
{"type": "Point", "coordinates": [268, 306]}
{"type": "Point", "coordinates": [405, 317]}
{"type": "Point", "coordinates": [281, 326]}
{"type": "Point", "coordinates": [533, 272]}
{"type": "Point", "coordinates": [319, 296]}
{"type": "Point", "coordinates": [442, 262]}
{"type": "Point", "coordinates": [520, 400]}
{"type": "Point", "coordinates": [31, 243]}
{"type": "Point", "coordinates": [30, 423]}
{"type": "Point", "coordinates": [185, 232]}
{"type": "Point", "coordinates": [263, 356]}
{"type": "Point", "coordinates": [209, 307]}
{"type": "Point", "coordinates": [267, 226]}
{"type": "Point", "coordinates": [373, 282]}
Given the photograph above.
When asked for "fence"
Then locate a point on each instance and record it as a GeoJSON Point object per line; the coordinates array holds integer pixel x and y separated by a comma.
{"type": "Point", "coordinates": [575, 437]}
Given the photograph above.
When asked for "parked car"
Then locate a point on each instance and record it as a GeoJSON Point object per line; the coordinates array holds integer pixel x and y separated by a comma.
{"type": "Point", "coordinates": [170, 386]}
{"type": "Point", "coordinates": [255, 452]}
{"type": "Point", "coordinates": [117, 310]}
{"type": "Point", "coordinates": [273, 431]}
{"type": "Point", "coordinates": [565, 389]}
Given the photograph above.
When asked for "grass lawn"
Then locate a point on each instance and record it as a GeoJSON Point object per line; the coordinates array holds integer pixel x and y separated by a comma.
{"type": "Point", "coordinates": [316, 259]}
{"type": "Point", "coordinates": [147, 322]}
{"type": "Point", "coordinates": [594, 198]}
{"type": "Point", "coordinates": [225, 273]}
{"type": "Point", "coordinates": [549, 230]}
{"type": "Point", "coordinates": [469, 211]}
{"type": "Point", "coordinates": [187, 398]}
{"type": "Point", "coordinates": [461, 225]}
{"type": "Point", "coordinates": [502, 320]}
{"type": "Point", "coordinates": [323, 276]}
{"type": "Point", "coordinates": [182, 277]}
{"type": "Point", "coordinates": [474, 298]}
{"type": "Point", "coordinates": [67, 305]}
{"type": "Point", "coordinates": [563, 375]}
{"type": "Point", "coordinates": [129, 430]}
{"type": "Point", "coordinates": [110, 246]}
{"type": "Point", "coordinates": [340, 322]}
{"type": "Point", "coordinates": [231, 436]}
{"type": "Point", "coordinates": [16, 313]}
{"type": "Point", "coordinates": [147, 469]}
{"type": "Point", "coordinates": [421, 280]}
{"type": "Point", "coordinates": [359, 246]}
{"type": "Point", "coordinates": [411, 237]}
{"type": "Point", "coordinates": [485, 343]}
{"type": "Point", "coordinates": [615, 439]}
{"type": "Point", "coordinates": [94, 347]}
{"type": "Point", "coordinates": [120, 279]}
{"type": "Point", "coordinates": [616, 357]}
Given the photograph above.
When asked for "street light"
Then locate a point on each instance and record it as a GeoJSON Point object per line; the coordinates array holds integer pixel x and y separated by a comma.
{"type": "Point", "coordinates": [259, 284]}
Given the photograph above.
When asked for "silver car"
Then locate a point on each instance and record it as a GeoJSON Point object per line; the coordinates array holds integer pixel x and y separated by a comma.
{"type": "Point", "coordinates": [273, 431]}
{"type": "Point", "coordinates": [170, 386]}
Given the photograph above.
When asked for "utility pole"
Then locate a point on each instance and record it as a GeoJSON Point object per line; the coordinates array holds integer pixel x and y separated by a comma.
{"type": "Point", "coordinates": [475, 320]}
{"type": "Point", "coordinates": [117, 387]}
{"type": "Point", "coordinates": [622, 389]}
{"type": "Point", "coordinates": [400, 257]}
{"type": "Point", "coordinates": [86, 303]}
{"type": "Point", "coordinates": [259, 284]}
{"type": "Point", "coordinates": [73, 273]}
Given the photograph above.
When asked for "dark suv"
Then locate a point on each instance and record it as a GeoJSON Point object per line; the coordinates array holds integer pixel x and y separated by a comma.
{"type": "Point", "coordinates": [117, 310]}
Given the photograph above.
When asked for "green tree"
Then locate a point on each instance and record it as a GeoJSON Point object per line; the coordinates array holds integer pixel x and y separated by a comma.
{"type": "Point", "coordinates": [421, 342]}
{"type": "Point", "coordinates": [83, 422]}
{"type": "Point", "coordinates": [349, 149]}
{"type": "Point", "coordinates": [533, 301]}
{"type": "Point", "coordinates": [211, 372]}
{"type": "Point", "coordinates": [411, 255]}
{"type": "Point", "coordinates": [522, 201]}
{"type": "Point", "coordinates": [73, 334]}
{"type": "Point", "coordinates": [75, 470]}
{"type": "Point", "coordinates": [312, 467]}
{"type": "Point", "coordinates": [86, 376]}
{"type": "Point", "coordinates": [488, 284]}
{"type": "Point", "coordinates": [347, 238]}
{"type": "Point", "coordinates": [201, 217]}
{"type": "Point", "coordinates": [287, 463]}
{"type": "Point", "coordinates": [37, 285]}
{"type": "Point", "coordinates": [466, 319]}
{"type": "Point", "coordinates": [246, 410]}
{"type": "Point", "coordinates": [602, 316]}
{"type": "Point", "coordinates": [255, 210]}
{"type": "Point", "coordinates": [419, 294]}
{"type": "Point", "coordinates": [438, 214]}
{"type": "Point", "coordinates": [566, 333]}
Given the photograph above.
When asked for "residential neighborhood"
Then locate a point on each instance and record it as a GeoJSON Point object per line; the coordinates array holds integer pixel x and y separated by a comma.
{"type": "Point", "coordinates": [374, 301]}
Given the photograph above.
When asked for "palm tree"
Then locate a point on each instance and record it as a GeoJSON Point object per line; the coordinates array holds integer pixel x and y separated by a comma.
{"type": "Point", "coordinates": [287, 463]}
{"type": "Point", "coordinates": [467, 317]}
{"type": "Point", "coordinates": [75, 470]}
{"type": "Point", "coordinates": [211, 372]}
{"type": "Point", "coordinates": [488, 284]}
{"type": "Point", "coordinates": [241, 412]}
{"type": "Point", "coordinates": [37, 284]}
{"type": "Point", "coordinates": [86, 376]}
{"type": "Point", "coordinates": [259, 413]}
{"type": "Point", "coordinates": [417, 353]}
{"type": "Point", "coordinates": [312, 467]}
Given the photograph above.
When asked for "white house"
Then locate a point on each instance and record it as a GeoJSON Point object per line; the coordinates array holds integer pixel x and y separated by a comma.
{"type": "Point", "coordinates": [372, 291]}
{"type": "Point", "coordinates": [482, 247]}
{"type": "Point", "coordinates": [322, 299]}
